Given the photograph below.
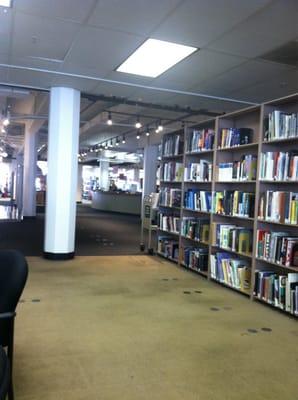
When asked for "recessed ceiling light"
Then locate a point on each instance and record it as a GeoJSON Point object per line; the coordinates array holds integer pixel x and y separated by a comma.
{"type": "Point", "coordinates": [154, 57]}
{"type": "Point", "coordinates": [6, 3]}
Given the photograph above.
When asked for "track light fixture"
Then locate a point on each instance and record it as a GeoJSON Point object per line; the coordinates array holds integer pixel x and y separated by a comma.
{"type": "Point", "coordinates": [147, 131]}
{"type": "Point", "coordinates": [138, 136]}
{"type": "Point", "coordinates": [160, 127]}
{"type": "Point", "coordinates": [106, 146]}
{"type": "Point", "coordinates": [123, 140]}
{"type": "Point", "coordinates": [138, 123]}
{"type": "Point", "coordinates": [117, 142]}
{"type": "Point", "coordinates": [110, 121]}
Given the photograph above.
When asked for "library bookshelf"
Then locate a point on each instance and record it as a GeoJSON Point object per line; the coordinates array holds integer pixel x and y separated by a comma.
{"type": "Point", "coordinates": [240, 142]}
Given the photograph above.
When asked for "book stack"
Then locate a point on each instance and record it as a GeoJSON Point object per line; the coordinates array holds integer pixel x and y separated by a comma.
{"type": "Point", "coordinates": [169, 223]}
{"type": "Point", "coordinates": [195, 228]}
{"type": "Point", "coordinates": [281, 125]}
{"type": "Point", "coordinates": [168, 247]}
{"type": "Point", "coordinates": [172, 171]}
{"type": "Point", "coordinates": [173, 145]}
{"type": "Point", "coordinates": [279, 166]}
{"type": "Point", "coordinates": [279, 206]}
{"type": "Point", "coordinates": [195, 258]}
{"type": "Point", "coordinates": [198, 172]}
{"type": "Point", "coordinates": [231, 137]}
{"type": "Point", "coordinates": [278, 290]}
{"type": "Point", "coordinates": [170, 197]}
{"type": "Point", "coordinates": [232, 237]}
{"type": "Point", "coordinates": [198, 200]}
{"type": "Point", "coordinates": [243, 170]}
{"type": "Point", "coordinates": [277, 247]}
{"type": "Point", "coordinates": [235, 203]}
{"type": "Point", "coordinates": [231, 271]}
{"type": "Point", "coordinates": [202, 140]}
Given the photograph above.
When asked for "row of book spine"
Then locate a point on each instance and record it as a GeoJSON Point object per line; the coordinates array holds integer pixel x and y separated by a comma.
{"type": "Point", "coordinates": [195, 228]}
{"type": "Point", "coordinates": [172, 171]}
{"type": "Point", "coordinates": [198, 200]}
{"type": "Point", "coordinates": [200, 140]}
{"type": "Point", "coordinates": [242, 170]}
{"type": "Point", "coordinates": [279, 206]}
{"type": "Point", "coordinates": [198, 172]}
{"type": "Point", "coordinates": [169, 223]}
{"type": "Point", "coordinates": [235, 203]}
{"type": "Point", "coordinates": [280, 166]}
{"type": "Point", "coordinates": [231, 271]}
{"type": "Point", "coordinates": [173, 145]}
{"type": "Point", "coordinates": [278, 247]}
{"type": "Point", "coordinates": [278, 290]}
{"type": "Point", "coordinates": [232, 237]}
{"type": "Point", "coordinates": [168, 247]}
{"type": "Point", "coordinates": [170, 197]}
{"type": "Point", "coordinates": [195, 258]}
{"type": "Point", "coordinates": [231, 137]}
{"type": "Point", "coordinates": [281, 125]}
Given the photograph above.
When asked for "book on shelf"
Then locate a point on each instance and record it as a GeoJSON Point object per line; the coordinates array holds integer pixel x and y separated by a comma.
{"type": "Point", "coordinates": [198, 172]}
{"type": "Point", "coordinates": [195, 228]}
{"type": "Point", "coordinates": [170, 197]}
{"type": "Point", "coordinates": [234, 203]}
{"type": "Point", "coordinates": [281, 125]}
{"type": "Point", "coordinates": [168, 247]}
{"type": "Point", "coordinates": [279, 206]}
{"type": "Point", "coordinates": [232, 237]}
{"type": "Point", "coordinates": [279, 166]}
{"type": "Point", "coordinates": [277, 247]}
{"type": "Point", "coordinates": [195, 258]}
{"type": "Point", "coordinates": [169, 223]}
{"type": "Point", "coordinates": [278, 290]}
{"type": "Point", "coordinates": [198, 200]}
{"type": "Point", "coordinates": [231, 137]}
{"type": "Point", "coordinates": [173, 145]}
{"type": "Point", "coordinates": [230, 270]}
{"type": "Point", "coordinates": [200, 140]}
{"type": "Point", "coordinates": [242, 170]}
{"type": "Point", "coordinates": [173, 171]}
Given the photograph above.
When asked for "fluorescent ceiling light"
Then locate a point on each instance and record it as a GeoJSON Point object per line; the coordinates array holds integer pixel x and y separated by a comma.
{"type": "Point", "coordinates": [5, 3]}
{"type": "Point", "coordinates": [154, 57]}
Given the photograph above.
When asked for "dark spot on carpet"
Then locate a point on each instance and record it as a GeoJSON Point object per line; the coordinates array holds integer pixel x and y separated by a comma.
{"type": "Point", "coordinates": [186, 292]}
{"type": "Point", "coordinates": [214, 309]}
{"type": "Point", "coordinates": [35, 300]}
{"type": "Point", "coordinates": [266, 329]}
{"type": "Point", "coordinates": [251, 330]}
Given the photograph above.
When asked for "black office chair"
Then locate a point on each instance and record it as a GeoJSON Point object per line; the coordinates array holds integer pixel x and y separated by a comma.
{"type": "Point", "coordinates": [13, 276]}
{"type": "Point", "coordinates": [4, 374]}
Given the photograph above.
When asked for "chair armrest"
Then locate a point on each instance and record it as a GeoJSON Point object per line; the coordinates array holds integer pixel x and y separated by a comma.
{"type": "Point", "coordinates": [7, 315]}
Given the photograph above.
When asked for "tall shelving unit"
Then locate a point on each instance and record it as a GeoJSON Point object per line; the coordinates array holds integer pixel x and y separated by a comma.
{"type": "Point", "coordinates": [252, 118]}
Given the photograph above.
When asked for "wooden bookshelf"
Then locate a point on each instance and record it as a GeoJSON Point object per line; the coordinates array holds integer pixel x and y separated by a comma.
{"type": "Point", "coordinates": [253, 118]}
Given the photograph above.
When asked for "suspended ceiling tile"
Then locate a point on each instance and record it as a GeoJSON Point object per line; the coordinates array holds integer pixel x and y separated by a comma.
{"type": "Point", "coordinates": [270, 28]}
{"type": "Point", "coordinates": [101, 49]}
{"type": "Point", "coordinates": [42, 37]}
{"type": "Point", "coordinates": [73, 10]}
{"type": "Point", "coordinates": [245, 75]}
{"type": "Point", "coordinates": [30, 79]}
{"type": "Point", "coordinates": [84, 85]}
{"type": "Point", "coordinates": [197, 22]}
{"type": "Point", "coordinates": [135, 16]}
{"type": "Point", "coordinates": [198, 67]}
{"type": "Point", "coordinates": [5, 30]}
{"type": "Point", "coordinates": [3, 75]}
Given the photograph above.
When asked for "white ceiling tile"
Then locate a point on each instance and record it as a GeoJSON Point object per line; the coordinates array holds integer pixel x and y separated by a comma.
{"type": "Point", "coordinates": [84, 85]}
{"type": "Point", "coordinates": [101, 49]}
{"type": "Point", "coordinates": [3, 75]}
{"type": "Point", "coordinates": [5, 31]}
{"type": "Point", "coordinates": [270, 28]}
{"type": "Point", "coordinates": [245, 75]}
{"type": "Point", "coordinates": [197, 22]}
{"type": "Point", "coordinates": [135, 16]}
{"type": "Point", "coordinates": [73, 10]}
{"type": "Point", "coordinates": [42, 37]}
{"type": "Point", "coordinates": [197, 68]}
{"type": "Point", "coordinates": [30, 78]}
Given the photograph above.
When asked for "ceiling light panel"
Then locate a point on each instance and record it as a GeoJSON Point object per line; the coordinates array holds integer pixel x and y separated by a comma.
{"type": "Point", "coordinates": [6, 3]}
{"type": "Point", "coordinates": [154, 57]}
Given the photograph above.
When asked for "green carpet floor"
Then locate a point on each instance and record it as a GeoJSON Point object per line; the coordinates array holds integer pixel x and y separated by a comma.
{"type": "Point", "coordinates": [123, 327]}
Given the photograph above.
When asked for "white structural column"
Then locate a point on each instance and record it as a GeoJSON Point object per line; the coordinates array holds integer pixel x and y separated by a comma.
{"type": "Point", "coordinates": [104, 175]}
{"type": "Point", "coordinates": [79, 183]}
{"type": "Point", "coordinates": [64, 123]}
{"type": "Point", "coordinates": [30, 159]}
{"type": "Point", "coordinates": [150, 167]}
